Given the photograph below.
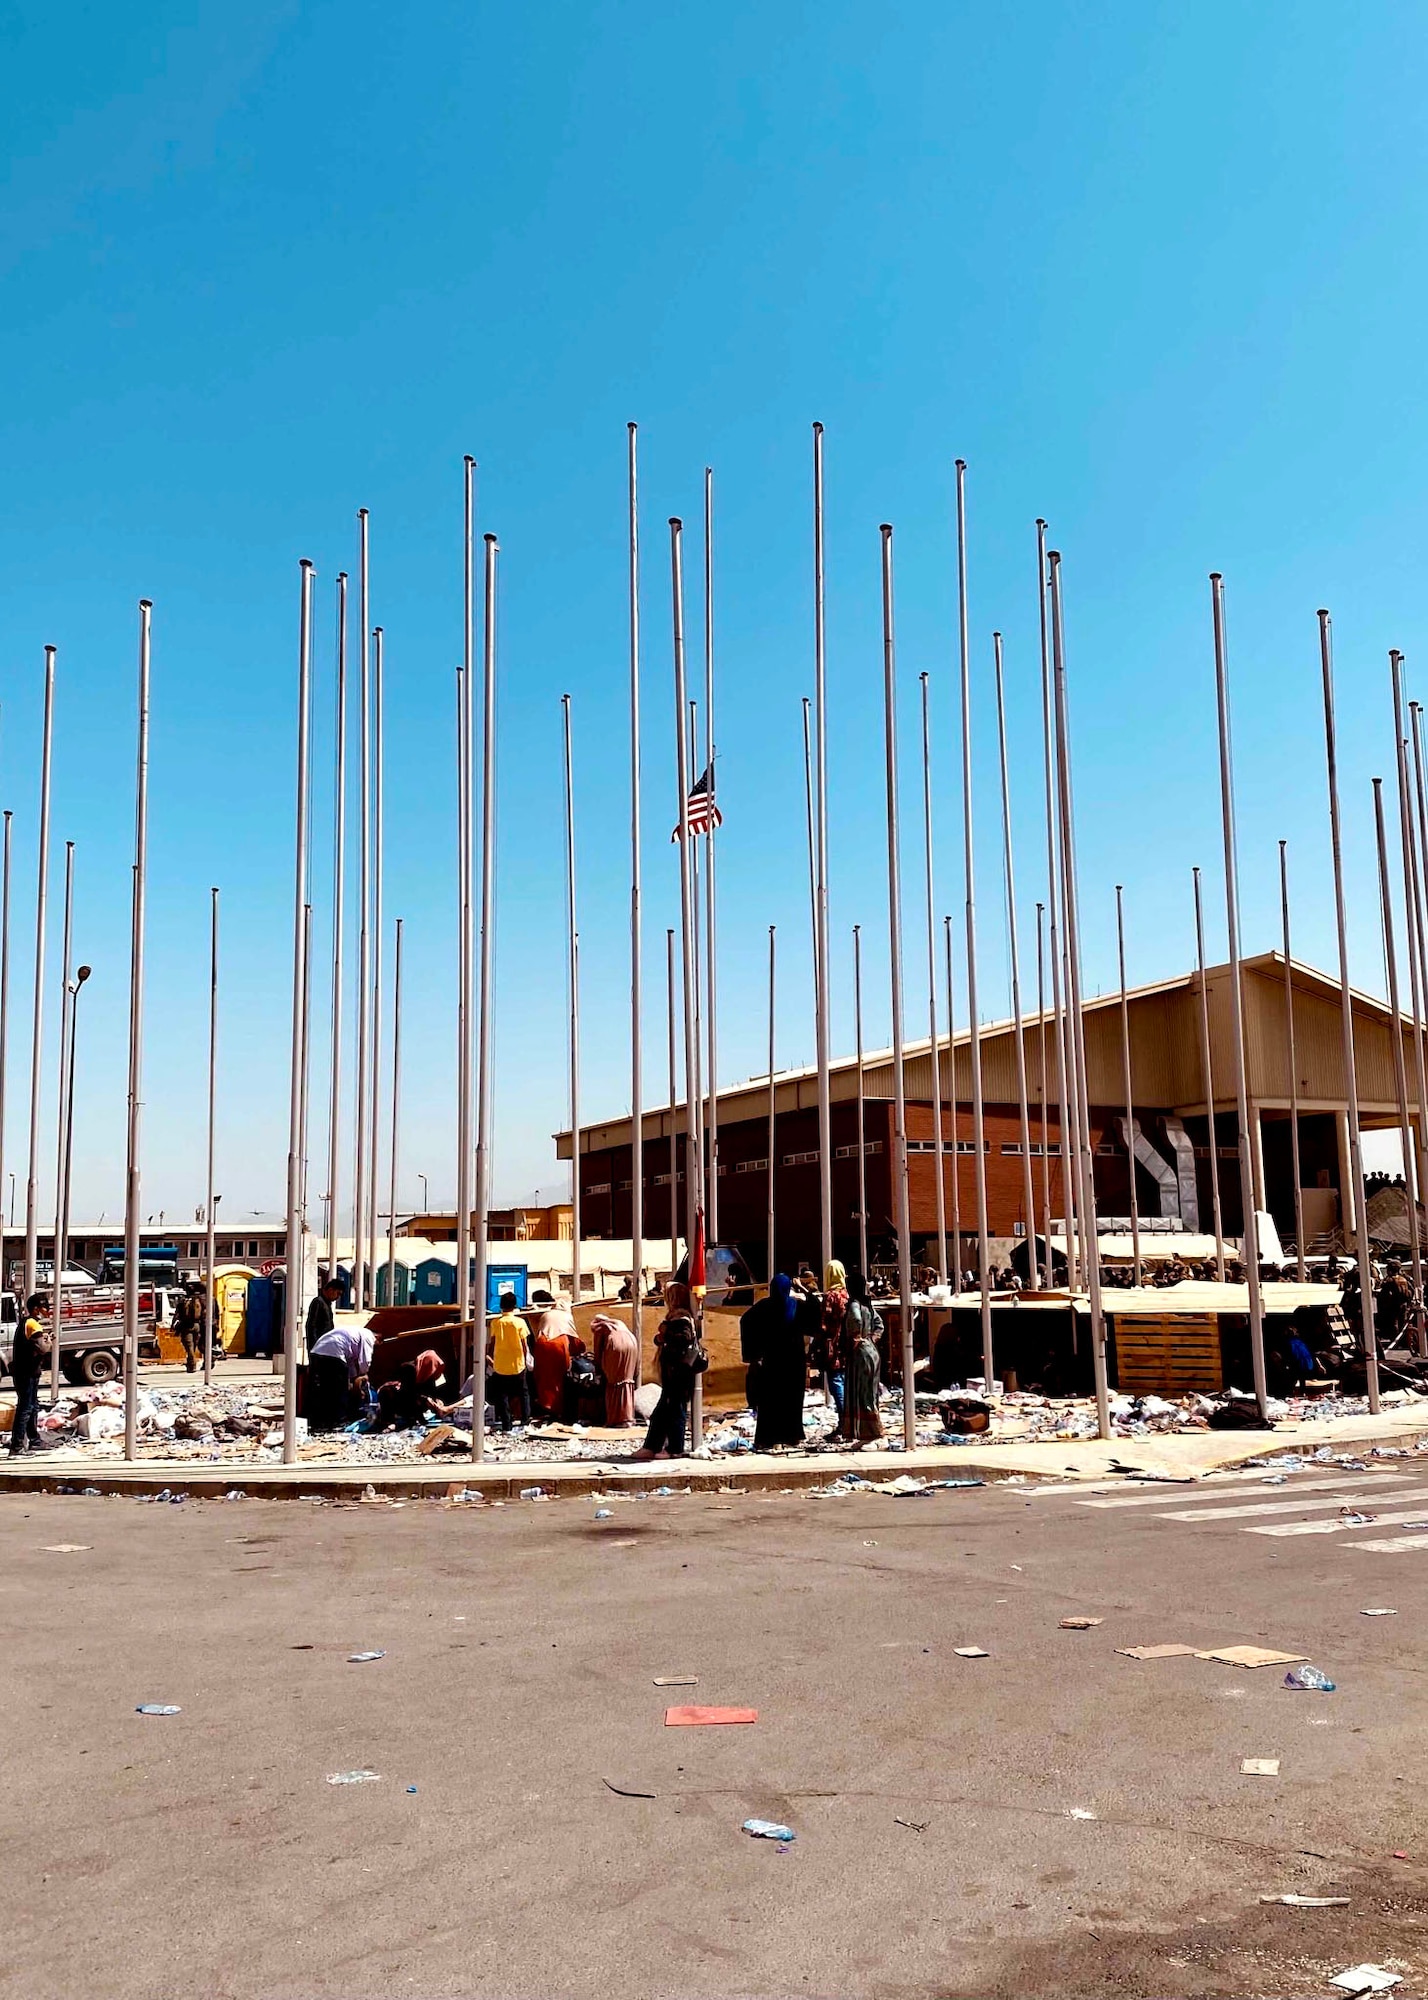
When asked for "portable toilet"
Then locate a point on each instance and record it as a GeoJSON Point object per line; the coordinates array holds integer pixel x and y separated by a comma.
{"type": "Point", "coordinates": [230, 1309]}
{"type": "Point", "coordinates": [401, 1284]}
{"type": "Point", "coordinates": [504, 1278]}
{"type": "Point", "coordinates": [259, 1333]}
{"type": "Point", "coordinates": [433, 1283]}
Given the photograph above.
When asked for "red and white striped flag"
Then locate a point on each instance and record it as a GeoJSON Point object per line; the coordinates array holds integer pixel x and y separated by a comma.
{"type": "Point", "coordinates": [703, 813]}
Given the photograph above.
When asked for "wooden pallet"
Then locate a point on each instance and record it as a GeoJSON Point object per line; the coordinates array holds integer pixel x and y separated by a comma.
{"type": "Point", "coordinates": [1168, 1354]}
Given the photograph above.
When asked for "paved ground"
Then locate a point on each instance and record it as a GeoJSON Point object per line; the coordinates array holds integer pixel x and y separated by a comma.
{"type": "Point", "coordinates": [206, 1853]}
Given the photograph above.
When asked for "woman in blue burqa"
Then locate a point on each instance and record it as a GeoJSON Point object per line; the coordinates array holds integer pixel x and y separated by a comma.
{"type": "Point", "coordinates": [773, 1340]}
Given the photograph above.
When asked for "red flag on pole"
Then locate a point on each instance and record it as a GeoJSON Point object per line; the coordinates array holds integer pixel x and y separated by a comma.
{"type": "Point", "coordinates": [697, 1282]}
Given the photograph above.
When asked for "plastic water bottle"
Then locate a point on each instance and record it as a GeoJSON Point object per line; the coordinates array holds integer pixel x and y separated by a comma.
{"type": "Point", "coordinates": [1311, 1678]}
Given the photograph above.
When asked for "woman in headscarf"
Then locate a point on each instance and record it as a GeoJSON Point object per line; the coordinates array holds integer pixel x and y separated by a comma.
{"type": "Point", "coordinates": [617, 1358]}
{"type": "Point", "coordinates": [410, 1397]}
{"type": "Point", "coordinates": [676, 1340]}
{"type": "Point", "coordinates": [828, 1341]}
{"type": "Point", "coordinates": [862, 1327]}
{"type": "Point", "coordinates": [772, 1341]}
{"type": "Point", "coordinates": [556, 1346]}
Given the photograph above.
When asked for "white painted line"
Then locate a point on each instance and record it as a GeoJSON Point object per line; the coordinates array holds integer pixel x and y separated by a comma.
{"type": "Point", "coordinates": [1394, 1546]}
{"type": "Point", "coordinates": [1419, 1513]}
{"type": "Point", "coordinates": [1237, 1492]}
{"type": "Point", "coordinates": [1358, 1499]}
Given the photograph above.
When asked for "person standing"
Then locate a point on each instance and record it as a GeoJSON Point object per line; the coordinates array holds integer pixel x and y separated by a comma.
{"type": "Point", "coordinates": [28, 1358]}
{"type": "Point", "coordinates": [680, 1356]}
{"type": "Point", "coordinates": [828, 1349]}
{"type": "Point", "coordinates": [862, 1328]}
{"type": "Point", "coordinates": [321, 1316]}
{"type": "Point", "coordinates": [556, 1346]}
{"type": "Point", "coordinates": [188, 1324]}
{"type": "Point", "coordinates": [616, 1357]}
{"type": "Point", "coordinates": [771, 1338]}
{"type": "Point", "coordinates": [510, 1358]}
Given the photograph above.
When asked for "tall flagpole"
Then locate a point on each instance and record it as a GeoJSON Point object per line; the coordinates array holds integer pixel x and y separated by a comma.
{"type": "Point", "coordinates": [1209, 1083]}
{"type": "Point", "coordinates": [396, 1117]}
{"type": "Point", "coordinates": [1355, 1190]}
{"type": "Point", "coordinates": [956, 1252]}
{"type": "Point", "coordinates": [772, 1265]}
{"type": "Point", "coordinates": [465, 970]}
{"type": "Point", "coordinates": [1063, 1067]}
{"type": "Point", "coordinates": [32, 1186]}
{"type": "Point", "coordinates": [1293, 1067]}
{"type": "Point", "coordinates": [673, 1107]}
{"type": "Point", "coordinates": [1413, 918]}
{"type": "Point", "coordinates": [934, 1046]}
{"type": "Point", "coordinates": [1128, 1086]}
{"type": "Point", "coordinates": [820, 900]}
{"type": "Point", "coordinates": [1400, 1073]}
{"type": "Point", "coordinates": [339, 883]}
{"type": "Point", "coordinates": [292, 1297]}
{"type": "Point", "coordinates": [364, 904]}
{"type": "Point", "coordinates": [974, 1026]}
{"type": "Point", "coordinates": [1075, 1007]}
{"type": "Point", "coordinates": [637, 1125]}
{"type": "Point", "coordinates": [209, 1217]}
{"type": "Point", "coordinates": [4, 1013]}
{"type": "Point", "coordinates": [572, 968]}
{"type": "Point", "coordinates": [484, 988]}
{"type": "Point", "coordinates": [862, 1149]}
{"type": "Point", "coordinates": [140, 880]}
{"type": "Point", "coordinates": [808, 808]}
{"type": "Point", "coordinates": [1028, 1190]}
{"type": "Point", "coordinates": [378, 845]}
{"type": "Point", "coordinates": [709, 897]}
{"type": "Point", "coordinates": [57, 1254]}
{"type": "Point", "coordinates": [1041, 1067]}
{"type": "Point", "coordinates": [693, 1203]}
{"type": "Point", "coordinates": [697, 955]}
{"type": "Point", "coordinates": [900, 1183]}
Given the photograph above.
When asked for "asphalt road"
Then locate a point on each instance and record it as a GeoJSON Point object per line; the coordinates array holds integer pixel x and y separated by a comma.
{"type": "Point", "coordinates": [206, 1853]}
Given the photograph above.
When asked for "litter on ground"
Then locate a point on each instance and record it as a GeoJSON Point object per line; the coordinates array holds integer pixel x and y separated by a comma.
{"type": "Point", "coordinates": [676, 1680]}
{"type": "Point", "coordinates": [157, 1708]}
{"type": "Point", "coordinates": [356, 1659]}
{"type": "Point", "coordinates": [702, 1718]}
{"type": "Point", "coordinates": [971, 1652]}
{"type": "Point", "coordinates": [1251, 1656]}
{"type": "Point", "coordinates": [354, 1777]}
{"type": "Point", "coordinates": [1310, 1902]}
{"type": "Point", "coordinates": [1260, 1767]}
{"type": "Point", "coordinates": [1080, 1624]}
{"type": "Point", "coordinates": [1157, 1652]}
{"type": "Point", "coordinates": [768, 1829]}
{"type": "Point", "coordinates": [1365, 1979]}
{"type": "Point", "coordinates": [626, 1791]}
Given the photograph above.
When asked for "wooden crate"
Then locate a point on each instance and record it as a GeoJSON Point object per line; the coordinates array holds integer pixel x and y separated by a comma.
{"type": "Point", "coordinates": [1168, 1354]}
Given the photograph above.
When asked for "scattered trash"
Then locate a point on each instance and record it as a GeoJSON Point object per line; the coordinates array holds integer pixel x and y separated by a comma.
{"type": "Point", "coordinates": [1251, 1656]}
{"type": "Point", "coordinates": [626, 1791]}
{"type": "Point", "coordinates": [411, 1791]}
{"type": "Point", "coordinates": [1400, 1854]}
{"type": "Point", "coordinates": [676, 1680]}
{"type": "Point", "coordinates": [1379, 1611]}
{"type": "Point", "coordinates": [356, 1659]}
{"type": "Point", "coordinates": [604, 1513]}
{"type": "Point", "coordinates": [1310, 1902]}
{"type": "Point", "coordinates": [609, 1545]}
{"type": "Point", "coordinates": [768, 1829]}
{"type": "Point", "coordinates": [68, 1548]}
{"type": "Point", "coordinates": [1351, 1518]}
{"type": "Point", "coordinates": [1080, 1624]}
{"type": "Point", "coordinates": [1310, 1678]}
{"type": "Point", "coordinates": [1365, 1979]}
{"type": "Point", "coordinates": [157, 1708]}
{"type": "Point", "coordinates": [532, 1493]}
{"type": "Point", "coordinates": [915, 1825]}
{"type": "Point", "coordinates": [354, 1777]}
{"type": "Point", "coordinates": [235, 1493]}
{"type": "Point", "coordinates": [1260, 1767]}
{"type": "Point", "coordinates": [302, 1646]}
{"type": "Point", "coordinates": [702, 1718]}
{"type": "Point", "coordinates": [1156, 1652]}
{"type": "Point", "coordinates": [1080, 1812]}
{"type": "Point", "coordinates": [971, 1652]}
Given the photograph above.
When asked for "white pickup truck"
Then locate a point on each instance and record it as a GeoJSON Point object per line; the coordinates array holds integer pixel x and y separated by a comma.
{"type": "Point", "coordinates": [92, 1329]}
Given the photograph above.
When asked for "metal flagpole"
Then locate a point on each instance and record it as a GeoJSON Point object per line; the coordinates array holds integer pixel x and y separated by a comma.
{"type": "Point", "coordinates": [306, 1035]}
{"type": "Point", "coordinates": [820, 897]}
{"type": "Point", "coordinates": [771, 1265]}
{"type": "Point", "coordinates": [57, 1253]}
{"type": "Point", "coordinates": [1355, 1191]}
{"type": "Point", "coordinates": [572, 968]}
{"type": "Point", "coordinates": [1418, 959]}
{"type": "Point", "coordinates": [692, 1162]}
{"type": "Point", "coordinates": [673, 1106]}
{"type": "Point", "coordinates": [339, 883]}
{"type": "Point", "coordinates": [364, 901]}
{"type": "Point", "coordinates": [465, 679]}
{"type": "Point", "coordinates": [1249, 1248]}
{"type": "Point", "coordinates": [1028, 1190]}
{"type": "Point", "coordinates": [1209, 1083]}
{"type": "Point", "coordinates": [378, 843]}
{"type": "Point", "coordinates": [1077, 1015]}
{"type": "Point", "coordinates": [933, 1045]}
{"type": "Point", "coordinates": [709, 900]}
{"type": "Point", "coordinates": [812, 863]}
{"type": "Point", "coordinates": [1041, 1065]}
{"type": "Point", "coordinates": [4, 1010]}
{"type": "Point", "coordinates": [1293, 1068]}
{"type": "Point", "coordinates": [952, 1097]}
{"type": "Point", "coordinates": [900, 1182]}
{"type": "Point", "coordinates": [484, 986]}
{"type": "Point", "coordinates": [32, 1187]}
{"type": "Point", "coordinates": [1400, 1073]}
{"type": "Point", "coordinates": [1129, 1091]}
{"type": "Point", "coordinates": [697, 955]}
{"type": "Point", "coordinates": [637, 1130]}
{"type": "Point", "coordinates": [1418, 832]}
{"type": "Point", "coordinates": [1048, 741]}
{"type": "Point", "coordinates": [858, 1044]}
{"type": "Point", "coordinates": [136, 1023]}
{"type": "Point", "coordinates": [974, 1027]}
{"type": "Point", "coordinates": [81, 975]}
{"type": "Point", "coordinates": [292, 1297]}
{"type": "Point", "coordinates": [209, 1218]}
{"type": "Point", "coordinates": [396, 1115]}
{"type": "Point", "coordinates": [1413, 918]}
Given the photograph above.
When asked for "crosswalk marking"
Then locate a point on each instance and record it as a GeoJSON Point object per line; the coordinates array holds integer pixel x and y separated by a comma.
{"type": "Point", "coordinates": [1283, 1506]}
{"type": "Point", "coordinates": [1395, 1545]}
{"type": "Point", "coordinates": [1340, 1479]}
{"type": "Point", "coordinates": [1337, 1527]}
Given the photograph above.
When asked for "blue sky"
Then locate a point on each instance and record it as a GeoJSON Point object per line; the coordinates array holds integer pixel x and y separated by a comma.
{"type": "Point", "coordinates": [1154, 272]}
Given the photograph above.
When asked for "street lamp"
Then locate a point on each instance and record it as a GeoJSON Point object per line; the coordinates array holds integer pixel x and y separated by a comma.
{"type": "Point", "coordinates": [425, 1197]}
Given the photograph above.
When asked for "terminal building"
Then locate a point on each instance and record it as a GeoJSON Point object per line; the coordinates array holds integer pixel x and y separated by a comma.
{"type": "Point", "coordinates": [1177, 1119]}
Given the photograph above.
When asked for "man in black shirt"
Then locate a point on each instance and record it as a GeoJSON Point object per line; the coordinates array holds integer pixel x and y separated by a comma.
{"type": "Point", "coordinates": [319, 1314]}
{"type": "Point", "coordinates": [27, 1364]}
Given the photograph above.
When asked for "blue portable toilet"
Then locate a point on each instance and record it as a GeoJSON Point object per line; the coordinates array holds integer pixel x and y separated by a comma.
{"type": "Point", "coordinates": [401, 1285]}
{"type": "Point", "coordinates": [258, 1329]}
{"type": "Point", "coordinates": [433, 1283]}
{"type": "Point", "coordinates": [504, 1278]}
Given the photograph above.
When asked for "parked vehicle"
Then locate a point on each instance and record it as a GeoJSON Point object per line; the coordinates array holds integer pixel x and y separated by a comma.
{"type": "Point", "coordinates": [91, 1330]}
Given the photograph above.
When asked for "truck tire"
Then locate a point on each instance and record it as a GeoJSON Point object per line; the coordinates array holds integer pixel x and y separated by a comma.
{"type": "Point", "coordinates": [100, 1364]}
{"type": "Point", "coordinates": [70, 1369]}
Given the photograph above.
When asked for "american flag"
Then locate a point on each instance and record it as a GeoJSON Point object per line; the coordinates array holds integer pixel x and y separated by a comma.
{"type": "Point", "coordinates": [703, 813]}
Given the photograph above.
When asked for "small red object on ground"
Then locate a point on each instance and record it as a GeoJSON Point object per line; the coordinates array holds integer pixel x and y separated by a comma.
{"type": "Point", "coordinates": [697, 1718]}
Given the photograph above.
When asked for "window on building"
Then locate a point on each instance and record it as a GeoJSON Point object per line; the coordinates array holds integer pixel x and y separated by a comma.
{"type": "Point", "coordinates": [800, 1159]}
{"type": "Point", "coordinates": [661, 1180]}
{"type": "Point", "coordinates": [193, 1249]}
{"type": "Point", "coordinates": [757, 1166]}
{"type": "Point", "coordinates": [621, 1186]}
{"type": "Point", "coordinates": [1008, 1151]}
{"type": "Point", "coordinates": [252, 1246]}
{"type": "Point", "coordinates": [598, 1187]}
